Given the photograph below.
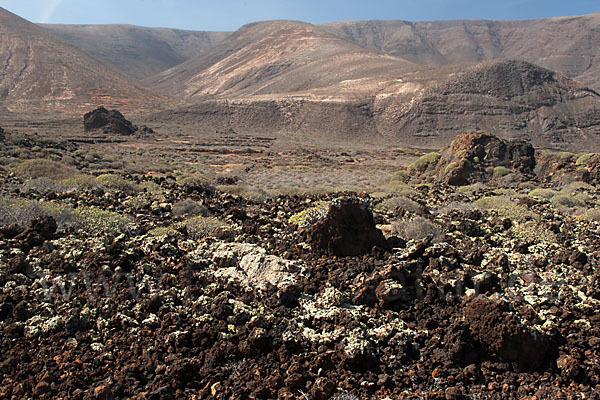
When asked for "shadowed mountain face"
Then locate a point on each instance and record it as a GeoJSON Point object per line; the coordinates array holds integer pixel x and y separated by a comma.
{"type": "Point", "coordinates": [42, 73]}
{"type": "Point", "coordinates": [568, 45]}
{"type": "Point", "coordinates": [137, 51]}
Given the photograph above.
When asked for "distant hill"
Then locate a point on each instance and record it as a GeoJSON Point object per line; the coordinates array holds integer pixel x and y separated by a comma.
{"type": "Point", "coordinates": [137, 51]}
{"type": "Point", "coordinates": [568, 45]}
{"type": "Point", "coordinates": [275, 57]}
{"type": "Point", "coordinates": [43, 73]}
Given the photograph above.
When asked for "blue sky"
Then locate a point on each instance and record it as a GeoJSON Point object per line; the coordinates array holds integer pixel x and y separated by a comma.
{"type": "Point", "coordinates": [231, 14]}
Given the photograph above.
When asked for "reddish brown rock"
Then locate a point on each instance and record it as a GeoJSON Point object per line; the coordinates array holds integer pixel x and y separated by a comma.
{"type": "Point", "coordinates": [472, 157]}
{"type": "Point", "coordinates": [492, 325]}
{"type": "Point", "coordinates": [348, 229]}
{"type": "Point", "coordinates": [106, 121]}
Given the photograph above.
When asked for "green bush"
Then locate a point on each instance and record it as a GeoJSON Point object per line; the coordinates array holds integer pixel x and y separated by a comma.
{"type": "Point", "coordinates": [567, 200]}
{"type": "Point", "coordinates": [116, 182]}
{"type": "Point", "coordinates": [196, 181]}
{"type": "Point", "coordinates": [79, 182]}
{"type": "Point", "coordinates": [99, 222]}
{"type": "Point", "coordinates": [505, 208]}
{"type": "Point", "coordinates": [543, 193]}
{"type": "Point", "coordinates": [584, 158]}
{"type": "Point", "coordinates": [164, 232]}
{"type": "Point", "coordinates": [424, 162]}
{"type": "Point", "coordinates": [500, 171]}
{"type": "Point", "coordinates": [202, 227]}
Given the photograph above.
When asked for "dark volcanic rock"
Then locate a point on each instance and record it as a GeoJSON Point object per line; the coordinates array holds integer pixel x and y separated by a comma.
{"type": "Point", "coordinates": [2, 136]}
{"type": "Point", "coordinates": [501, 334]}
{"type": "Point", "coordinates": [39, 230]}
{"type": "Point", "coordinates": [478, 157]}
{"type": "Point", "coordinates": [348, 229]}
{"type": "Point", "coordinates": [107, 121]}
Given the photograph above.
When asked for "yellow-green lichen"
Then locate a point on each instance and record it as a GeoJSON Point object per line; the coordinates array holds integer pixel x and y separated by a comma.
{"type": "Point", "coordinates": [310, 215]}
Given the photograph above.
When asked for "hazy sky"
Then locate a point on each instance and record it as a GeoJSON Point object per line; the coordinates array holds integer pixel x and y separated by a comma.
{"type": "Point", "coordinates": [231, 14]}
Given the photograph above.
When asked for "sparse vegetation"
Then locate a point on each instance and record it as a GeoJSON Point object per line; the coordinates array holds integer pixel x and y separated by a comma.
{"type": "Point", "coordinates": [189, 207]}
{"type": "Point", "coordinates": [99, 222]}
{"type": "Point", "coordinates": [505, 207]}
{"type": "Point", "coordinates": [39, 167]}
{"type": "Point", "coordinates": [500, 171]}
{"type": "Point", "coordinates": [115, 182]}
{"type": "Point", "coordinates": [416, 228]}
{"type": "Point", "coordinates": [424, 162]}
{"type": "Point", "coordinates": [311, 214]}
{"type": "Point", "coordinates": [200, 227]}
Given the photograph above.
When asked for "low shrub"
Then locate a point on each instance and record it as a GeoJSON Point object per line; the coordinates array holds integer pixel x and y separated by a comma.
{"type": "Point", "coordinates": [505, 207]}
{"type": "Point", "coordinates": [400, 203]}
{"type": "Point", "coordinates": [99, 222]}
{"type": "Point", "coordinates": [250, 194]}
{"type": "Point", "coordinates": [202, 227]}
{"type": "Point", "coordinates": [416, 228]}
{"type": "Point", "coordinates": [189, 207]}
{"type": "Point", "coordinates": [543, 193]}
{"type": "Point", "coordinates": [39, 167]}
{"type": "Point", "coordinates": [593, 214]}
{"type": "Point", "coordinates": [164, 232]}
{"type": "Point", "coordinates": [532, 231]}
{"type": "Point", "coordinates": [500, 171]}
{"type": "Point", "coordinates": [79, 182]}
{"type": "Point", "coordinates": [22, 211]}
{"type": "Point", "coordinates": [41, 185]}
{"type": "Point", "coordinates": [116, 182]}
{"type": "Point", "coordinates": [580, 185]}
{"type": "Point", "coordinates": [584, 158]}
{"type": "Point", "coordinates": [567, 200]}
{"type": "Point", "coordinates": [196, 182]}
{"type": "Point", "coordinates": [424, 162]}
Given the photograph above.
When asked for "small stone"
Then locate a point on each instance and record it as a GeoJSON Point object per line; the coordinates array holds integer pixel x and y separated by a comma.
{"type": "Point", "coordinates": [568, 365]}
{"type": "Point", "coordinates": [103, 392]}
{"type": "Point", "coordinates": [216, 389]}
{"type": "Point", "coordinates": [41, 388]}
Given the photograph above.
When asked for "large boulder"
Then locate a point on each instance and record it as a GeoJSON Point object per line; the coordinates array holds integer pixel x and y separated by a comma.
{"type": "Point", "coordinates": [105, 121]}
{"type": "Point", "coordinates": [346, 228]}
{"type": "Point", "coordinates": [479, 157]}
{"type": "Point", "coordinates": [502, 334]}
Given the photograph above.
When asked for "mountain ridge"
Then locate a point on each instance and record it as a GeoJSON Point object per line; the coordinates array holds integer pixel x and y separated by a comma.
{"type": "Point", "coordinates": [43, 73]}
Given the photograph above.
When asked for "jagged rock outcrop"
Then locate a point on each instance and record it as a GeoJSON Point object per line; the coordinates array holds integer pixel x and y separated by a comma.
{"type": "Point", "coordinates": [479, 157]}
{"type": "Point", "coordinates": [346, 229]}
{"type": "Point", "coordinates": [107, 121]}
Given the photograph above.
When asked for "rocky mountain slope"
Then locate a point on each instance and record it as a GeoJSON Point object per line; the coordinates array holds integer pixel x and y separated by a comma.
{"type": "Point", "coordinates": [566, 44]}
{"type": "Point", "coordinates": [276, 57]}
{"type": "Point", "coordinates": [137, 51]}
{"type": "Point", "coordinates": [40, 72]}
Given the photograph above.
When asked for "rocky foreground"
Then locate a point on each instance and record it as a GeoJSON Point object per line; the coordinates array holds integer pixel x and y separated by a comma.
{"type": "Point", "coordinates": [152, 287]}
